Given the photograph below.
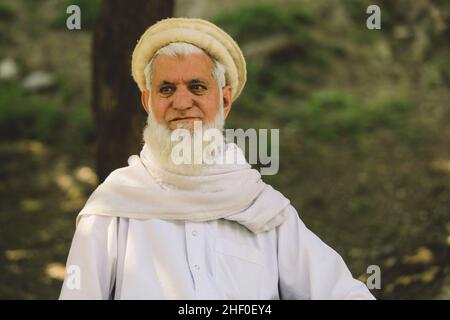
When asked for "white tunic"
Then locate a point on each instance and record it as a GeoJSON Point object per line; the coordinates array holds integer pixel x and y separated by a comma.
{"type": "Point", "coordinates": [220, 259]}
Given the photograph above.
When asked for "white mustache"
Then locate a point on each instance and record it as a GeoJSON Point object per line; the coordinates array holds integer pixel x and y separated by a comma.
{"type": "Point", "coordinates": [183, 118]}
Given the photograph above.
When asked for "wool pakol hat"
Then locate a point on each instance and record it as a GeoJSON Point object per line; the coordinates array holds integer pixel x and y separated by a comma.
{"type": "Point", "coordinates": [198, 32]}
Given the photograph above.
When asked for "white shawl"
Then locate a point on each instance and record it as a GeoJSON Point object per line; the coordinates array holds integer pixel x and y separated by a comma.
{"type": "Point", "coordinates": [231, 191]}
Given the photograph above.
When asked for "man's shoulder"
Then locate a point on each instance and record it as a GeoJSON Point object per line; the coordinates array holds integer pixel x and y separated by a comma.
{"type": "Point", "coordinates": [133, 175]}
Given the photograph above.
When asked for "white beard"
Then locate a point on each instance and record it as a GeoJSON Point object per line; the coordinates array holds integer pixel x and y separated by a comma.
{"type": "Point", "coordinates": [158, 139]}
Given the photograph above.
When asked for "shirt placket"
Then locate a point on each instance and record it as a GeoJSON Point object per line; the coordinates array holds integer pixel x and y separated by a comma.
{"type": "Point", "coordinates": [195, 243]}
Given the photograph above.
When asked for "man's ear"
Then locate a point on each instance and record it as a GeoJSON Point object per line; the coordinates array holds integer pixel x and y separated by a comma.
{"type": "Point", "coordinates": [145, 94]}
{"type": "Point", "coordinates": [227, 100]}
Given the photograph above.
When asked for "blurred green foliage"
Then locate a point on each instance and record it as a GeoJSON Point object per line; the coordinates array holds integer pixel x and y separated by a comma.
{"type": "Point", "coordinates": [252, 22]}
{"type": "Point", "coordinates": [25, 115]}
{"type": "Point", "coordinates": [90, 10]}
{"type": "Point", "coordinates": [6, 12]}
{"type": "Point", "coordinates": [7, 16]}
{"type": "Point", "coordinates": [293, 75]}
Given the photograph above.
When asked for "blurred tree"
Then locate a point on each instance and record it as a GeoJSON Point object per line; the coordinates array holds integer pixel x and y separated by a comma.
{"type": "Point", "coordinates": [118, 117]}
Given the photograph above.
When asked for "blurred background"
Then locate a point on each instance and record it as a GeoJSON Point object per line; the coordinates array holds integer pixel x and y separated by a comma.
{"type": "Point", "coordinates": [364, 121]}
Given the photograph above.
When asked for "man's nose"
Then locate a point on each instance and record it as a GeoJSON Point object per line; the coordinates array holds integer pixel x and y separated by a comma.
{"type": "Point", "coordinates": [182, 99]}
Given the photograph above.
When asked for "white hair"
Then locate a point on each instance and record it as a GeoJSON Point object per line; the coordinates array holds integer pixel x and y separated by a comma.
{"type": "Point", "coordinates": [183, 49]}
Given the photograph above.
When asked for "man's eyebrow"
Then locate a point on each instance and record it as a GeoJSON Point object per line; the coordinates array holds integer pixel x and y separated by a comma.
{"type": "Point", "coordinates": [162, 83]}
{"type": "Point", "coordinates": [196, 80]}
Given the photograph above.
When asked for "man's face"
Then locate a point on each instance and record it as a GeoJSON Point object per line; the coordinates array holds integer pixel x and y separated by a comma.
{"type": "Point", "coordinates": [183, 90]}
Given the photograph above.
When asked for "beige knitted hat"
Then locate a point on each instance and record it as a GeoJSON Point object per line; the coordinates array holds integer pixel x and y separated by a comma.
{"type": "Point", "coordinates": [198, 32]}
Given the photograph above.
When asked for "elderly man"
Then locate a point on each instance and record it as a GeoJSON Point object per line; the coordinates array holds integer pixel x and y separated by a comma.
{"type": "Point", "coordinates": [159, 229]}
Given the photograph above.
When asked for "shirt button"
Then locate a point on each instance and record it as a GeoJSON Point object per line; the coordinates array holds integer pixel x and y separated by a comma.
{"type": "Point", "coordinates": [196, 267]}
{"type": "Point", "coordinates": [194, 233]}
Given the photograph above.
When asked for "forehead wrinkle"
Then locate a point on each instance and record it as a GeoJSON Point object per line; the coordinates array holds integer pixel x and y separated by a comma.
{"type": "Point", "coordinates": [170, 59]}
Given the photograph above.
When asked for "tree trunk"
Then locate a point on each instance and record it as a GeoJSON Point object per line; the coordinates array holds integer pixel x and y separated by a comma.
{"type": "Point", "coordinates": [118, 115]}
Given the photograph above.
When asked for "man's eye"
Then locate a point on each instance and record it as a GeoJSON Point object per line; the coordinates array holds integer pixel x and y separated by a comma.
{"type": "Point", "coordinates": [165, 90]}
{"type": "Point", "coordinates": [198, 87]}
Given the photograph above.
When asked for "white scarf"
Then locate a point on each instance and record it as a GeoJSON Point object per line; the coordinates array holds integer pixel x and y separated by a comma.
{"type": "Point", "coordinates": [231, 191]}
